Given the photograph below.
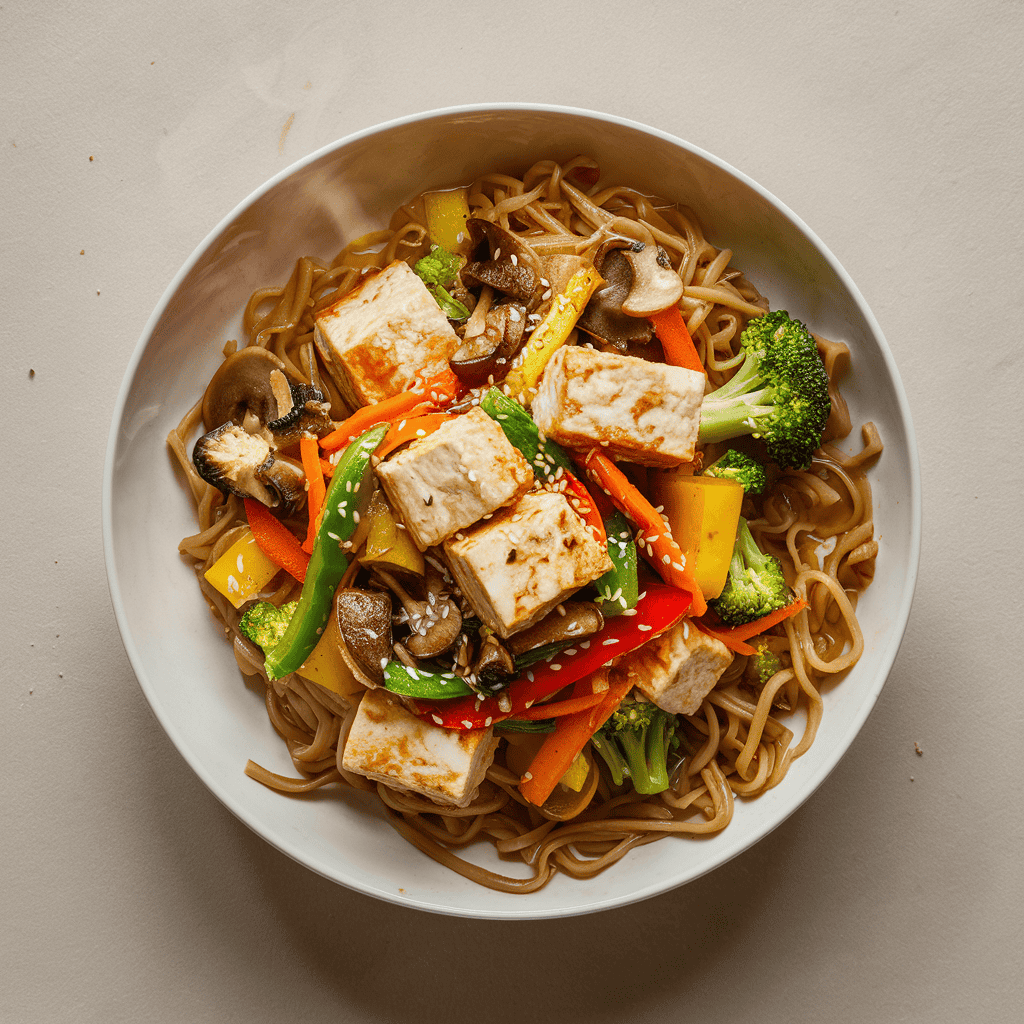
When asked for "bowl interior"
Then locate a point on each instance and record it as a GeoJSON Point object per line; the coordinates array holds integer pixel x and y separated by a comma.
{"type": "Point", "coordinates": [178, 653]}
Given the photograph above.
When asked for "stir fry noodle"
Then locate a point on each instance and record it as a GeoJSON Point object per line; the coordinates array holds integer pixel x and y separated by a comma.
{"type": "Point", "coordinates": [543, 271]}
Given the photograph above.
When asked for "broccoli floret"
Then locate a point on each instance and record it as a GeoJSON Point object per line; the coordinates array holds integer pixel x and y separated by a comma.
{"type": "Point", "coordinates": [437, 271]}
{"type": "Point", "coordinates": [755, 585]}
{"type": "Point", "coordinates": [734, 465]}
{"type": "Point", "coordinates": [636, 743]}
{"type": "Point", "coordinates": [764, 663]}
{"type": "Point", "coordinates": [264, 624]}
{"type": "Point", "coordinates": [779, 393]}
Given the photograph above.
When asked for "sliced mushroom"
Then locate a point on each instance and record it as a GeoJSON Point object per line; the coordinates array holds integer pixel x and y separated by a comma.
{"type": "Point", "coordinates": [581, 619]}
{"type": "Point", "coordinates": [241, 391]}
{"type": "Point", "coordinates": [435, 622]}
{"type": "Point", "coordinates": [558, 268]}
{"type": "Point", "coordinates": [493, 662]}
{"type": "Point", "coordinates": [486, 355]}
{"type": "Point", "coordinates": [245, 464]}
{"type": "Point", "coordinates": [603, 316]}
{"type": "Point", "coordinates": [656, 286]}
{"type": "Point", "coordinates": [307, 414]}
{"type": "Point", "coordinates": [511, 266]}
{"type": "Point", "coordinates": [365, 620]}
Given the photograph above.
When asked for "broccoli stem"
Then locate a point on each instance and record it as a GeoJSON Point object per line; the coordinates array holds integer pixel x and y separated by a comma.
{"type": "Point", "coordinates": [722, 420]}
{"type": "Point", "coordinates": [612, 757]}
{"type": "Point", "coordinates": [646, 753]}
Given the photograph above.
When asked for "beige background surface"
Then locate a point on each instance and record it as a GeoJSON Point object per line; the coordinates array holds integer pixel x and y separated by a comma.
{"type": "Point", "coordinates": [129, 893]}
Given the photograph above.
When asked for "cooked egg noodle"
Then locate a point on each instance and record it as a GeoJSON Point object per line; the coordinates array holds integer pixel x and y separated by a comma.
{"type": "Point", "coordinates": [818, 522]}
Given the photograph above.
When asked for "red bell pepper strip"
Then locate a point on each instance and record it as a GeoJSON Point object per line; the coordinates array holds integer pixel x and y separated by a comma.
{"type": "Point", "coordinates": [675, 340]}
{"type": "Point", "coordinates": [659, 545]}
{"type": "Point", "coordinates": [315, 488]}
{"type": "Point", "coordinates": [437, 392]}
{"type": "Point", "coordinates": [659, 609]}
{"type": "Point", "coordinates": [275, 540]}
{"type": "Point", "coordinates": [585, 507]}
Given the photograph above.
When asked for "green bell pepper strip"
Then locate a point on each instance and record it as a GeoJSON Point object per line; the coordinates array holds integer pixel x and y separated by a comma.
{"type": "Point", "coordinates": [420, 682]}
{"type": "Point", "coordinates": [345, 503]}
{"type": "Point", "coordinates": [618, 588]}
{"type": "Point", "coordinates": [544, 456]}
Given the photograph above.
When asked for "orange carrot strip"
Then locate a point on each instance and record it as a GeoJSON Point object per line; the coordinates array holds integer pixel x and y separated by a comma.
{"type": "Point", "coordinates": [666, 556]}
{"type": "Point", "coordinates": [435, 392]}
{"type": "Point", "coordinates": [275, 540]}
{"type": "Point", "coordinates": [410, 429]}
{"type": "Point", "coordinates": [675, 339]}
{"type": "Point", "coordinates": [560, 708]}
{"type": "Point", "coordinates": [315, 489]}
{"type": "Point", "coordinates": [738, 634]}
{"type": "Point", "coordinates": [327, 468]}
{"type": "Point", "coordinates": [739, 646]}
{"type": "Point", "coordinates": [559, 749]}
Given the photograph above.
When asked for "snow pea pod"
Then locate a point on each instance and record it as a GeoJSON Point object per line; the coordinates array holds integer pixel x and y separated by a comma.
{"type": "Point", "coordinates": [346, 501]}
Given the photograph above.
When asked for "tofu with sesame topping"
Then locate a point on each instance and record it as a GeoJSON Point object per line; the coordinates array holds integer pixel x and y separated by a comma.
{"type": "Point", "coordinates": [678, 669]}
{"type": "Point", "coordinates": [377, 338]}
{"type": "Point", "coordinates": [514, 568]}
{"type": "Point", "coordinates": [636, 410]}
{"type": "Point", "coordinates": [463, 471]}
{"type": "Point", "coordinates": [389, 744]}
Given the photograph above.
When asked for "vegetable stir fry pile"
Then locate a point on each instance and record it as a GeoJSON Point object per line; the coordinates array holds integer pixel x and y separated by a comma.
{"type": "Point", "coordinates": [518, 526]}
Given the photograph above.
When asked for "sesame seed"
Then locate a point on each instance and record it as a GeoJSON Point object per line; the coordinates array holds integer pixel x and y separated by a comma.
{"type": "Point", "coordinates": [438, 719]}
{"type": "Point", "coordinates": [467, 723]}
{"type": "Point", "coordinates": [514, 259]}
{"type": "Point", "coordinates": [643, 628]}
{"type": "Point", "coordinates": [608, 643]}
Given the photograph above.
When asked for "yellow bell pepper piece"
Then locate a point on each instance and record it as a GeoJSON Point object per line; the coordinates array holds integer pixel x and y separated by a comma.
{"type": "Point", "coordinates": [242, 571]}
{"type": "Point", "coordinates": [388, 547]}
{"type": "Point", "coordinates": [326, 665]}
{"type": "Point", "coordinates": [576, 774]}
{"type": "Point", "coordinates": [703, 514]}
{"type": "Point", "coordinates": [553, 331]}
{"type": "Point", "coordinates": [447, 212]}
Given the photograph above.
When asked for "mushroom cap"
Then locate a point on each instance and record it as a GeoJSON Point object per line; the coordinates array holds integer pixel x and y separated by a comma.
{"type": "Point", "coordinates": [242, 385]}
{"type": "Point", "coordinates": [364, 619]}
{"type": "Point", "coordinates": [245, 464]}
{"type": "Point", "coordinates": [656, 286]}
{"type": "Point", "coordinates": [581, 619]}
{"type": "Point", "coordinates": [511, 266]}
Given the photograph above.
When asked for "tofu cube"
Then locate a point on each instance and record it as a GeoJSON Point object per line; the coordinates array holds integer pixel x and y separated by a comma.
{"type": "Point", "coordinates": [449, 479]}
{"type": "Point", "coordinates": [378, 337]}
{"type": "Point", "coordinates": [637, 410]}
{"type": "Point", "coordinates": [391, 745]}
{"type": "Point", "coordinates": [678, 669]}
{"type": "Point", "coordinates": [514, 568]}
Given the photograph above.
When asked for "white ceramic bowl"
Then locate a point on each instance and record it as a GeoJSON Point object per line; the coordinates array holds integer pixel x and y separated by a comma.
{"type": "Point", "coordinates": [184, 666]}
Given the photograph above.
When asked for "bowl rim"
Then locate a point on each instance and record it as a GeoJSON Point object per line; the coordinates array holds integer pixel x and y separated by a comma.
{"type": "Point", "coordinates": [899, 617]}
